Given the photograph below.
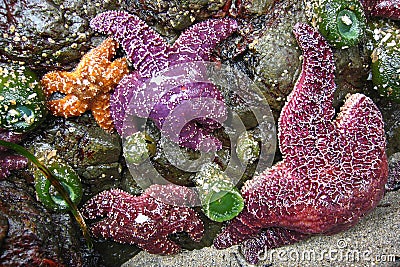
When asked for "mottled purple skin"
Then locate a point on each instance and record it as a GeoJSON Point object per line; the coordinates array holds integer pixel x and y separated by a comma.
{"type": "Point", "coordinates": [146, 220]}
{"type": "Point", "coordinates": [150, 55]}
{"type": "Point", "coordinates": [10, 162]}
{"type": "Point", "coordinates": [269, 238]}
{"type": "Point", "coordinates": [393, 183]}
{"type": "Point", "coordinates": [382, 8]}
{"type": "Point", "coordinates": [334, 169]}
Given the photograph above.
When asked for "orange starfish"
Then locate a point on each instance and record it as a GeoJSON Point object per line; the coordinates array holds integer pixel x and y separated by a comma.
{"type": "Point", "coordinates": [88, 86]}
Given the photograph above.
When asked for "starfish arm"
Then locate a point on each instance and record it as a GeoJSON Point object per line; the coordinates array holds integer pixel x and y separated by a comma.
{"type": "Point", "coordinates": [235, 233]}
{"type": "Point", "coordinates": [185, 219]}
{"type": "Point", "coordinates": [104, 52]}
{"type": "Point", "coordinates": [360, 124]}
{"type": "Point", "coordinates": [10, 136]}
{"type": "Point", "coordinates": [172, 194]}
{"type": "Point", "coordinates": [101, 112]}
{"type": "Point", "coordinates": [4, 172]}
{"type": "Point", "coordinates": [195, 137]}
{"type": "Point", "coordinates": [58, 81]}
{"type": "Point", "coordinates": [198, 41]}
{"type": "Point", "coordinates": [115, 72]}
{"type": "Point", "coordinates": [308, 111]}
{"type": "Point", "coordinates": [14, 162]}
{"type": "Point", "coordinates": [162, 246]}
{"type": "Point", "coordinates": [69, 106]}
{"type": "Point", "coordinates": [121, 100]}
{"type": "Point", "coordinates": [10, 163]}
{"type": "Point", "coordinates": [145, 48]}
{"type": "Point", "coordinates": [102, 228]}
{"type": "Point", "coordinates": [270, 238]}
{"type": "Point", "coordinates": [387, 9]}
{"type": "Point", "coordinates": [102, 204]}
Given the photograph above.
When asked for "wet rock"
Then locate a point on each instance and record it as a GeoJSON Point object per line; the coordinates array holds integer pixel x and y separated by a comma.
{"type": "Point", "coordinates": [257, 7]}
{"type": "Point", "coordinates": [272, 57]}
{"type": "Point", "coordinates": [351, 72]}
{"type": "Point", "coordinates": [129, 184]}
{"type": "Point", "coordinates": [35, 237]}
{"type": "Point", "coordinates": [48, 34]}
{"type": "Point", "coordinates": [93, 153]}
{"type": "Point", "coordinates": [3, 228]}
{"type": "Point", "coordinates": [113, 253]}
{"type": "Point", "coordinates": [178, 15]}
{"type": "Point", "coordinates": [266, 50]}
{"type": "Point", "coordinates": [391, 117]}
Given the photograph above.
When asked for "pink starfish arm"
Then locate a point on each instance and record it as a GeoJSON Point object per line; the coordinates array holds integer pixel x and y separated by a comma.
{"type": "Point", "coordinates": [199, 41]}
{"type": "Point", "coordinates": [145, 220]}
{"type": "Point", "coordinates": [270, 238]}
{"type": "Point", "coordinates": [173, 194]}
{"type": "Point", "coordinates": [387, 9]}
{"type": "Point", "coordinates": [10, 163]}
{"type": "Point", "coordinates": [382, 8]}
{"type": "Point", "coordinates": [308, 111]}
{"type": "Point", "coordinates": [103, 203]}
{"type": "Point", "coordinates": [158, 246]}
{"type": "Point", "coordinates": [333, 171]}
{"type": "Point", "coordinates": [145, 48]}
{"type": "Point", "coordinates": [129, 86]}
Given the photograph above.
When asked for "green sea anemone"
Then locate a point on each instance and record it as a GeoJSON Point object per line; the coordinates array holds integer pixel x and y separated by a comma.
{"type": "Point", "coordinates": [22, 102]}
{"type": "Point", "coordinates": [220, 200]}
{"type": "Point", "coordinates": [341, 22]}
{"type": "Point", "coordinates": [68, 178]}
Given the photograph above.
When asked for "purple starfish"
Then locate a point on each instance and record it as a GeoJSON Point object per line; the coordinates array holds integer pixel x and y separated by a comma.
{"type": "Point", "coordinates": [148, 219]}
{"type": "Point", "coordinates": [150, 55]}
{"type": "Point", "coordinates": [8, 161]}
{"type": "Point", "coordinates": [382, 8]}
{"type": "Point", "coordinates": [333, 171]}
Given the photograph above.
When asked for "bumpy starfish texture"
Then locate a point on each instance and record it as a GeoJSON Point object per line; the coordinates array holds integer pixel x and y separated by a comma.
{"type": "Point", "coordinates": [88, 87]}
{"type": "Point", "coordinates": [10, 162]}
{"type": "Point", "coordinates": [334, 169]}
{"type": "Point", "coordinates": [151, 55]}
{"type": "Point", "coordinates": [148, 219]}
{"type": "Point", "coordinates": [382, 8]}
{"type": "Point", "coordinates": [269, 238]}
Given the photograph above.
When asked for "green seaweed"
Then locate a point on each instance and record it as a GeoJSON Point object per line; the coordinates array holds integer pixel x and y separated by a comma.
{"type": "Point", "coordinates": [53, 179]}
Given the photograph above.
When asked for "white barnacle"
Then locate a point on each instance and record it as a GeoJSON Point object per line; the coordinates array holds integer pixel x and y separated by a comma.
{"type": "Point", "coordinates": [141, 218]}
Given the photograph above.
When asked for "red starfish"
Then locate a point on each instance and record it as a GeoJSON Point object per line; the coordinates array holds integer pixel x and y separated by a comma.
{"type": "Point", "coordinates": [334, 169]}
{"type": "Point", "coordinates": [382, 8]}
{"type": "Point", "coordinates": [148, 219]}
{"type": "Point", "coordinates": [8, 161]}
